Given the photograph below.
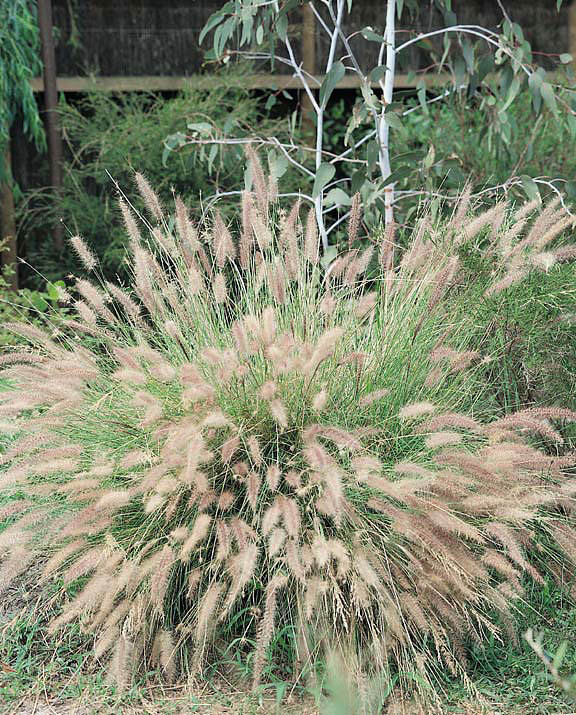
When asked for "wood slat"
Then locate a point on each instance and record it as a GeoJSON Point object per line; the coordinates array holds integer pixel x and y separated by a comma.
{"type": "Point", "coordinates": [170, 84]}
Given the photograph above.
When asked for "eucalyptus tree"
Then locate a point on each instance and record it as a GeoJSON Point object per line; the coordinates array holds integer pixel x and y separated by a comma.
{"type": "Point", "coordinates": [490, 65]}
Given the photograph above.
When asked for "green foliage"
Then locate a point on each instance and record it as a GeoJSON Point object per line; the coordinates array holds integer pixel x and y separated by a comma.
{"type": "Point", "coordinates": [35, 306]}
{"type": "Point", "coordinates": [465, 148]}
{"type": "Point", "coordinates": [110, 136]}
{"type": "Point", "coordinates": [19, 62]}
{"type": "Point", "coordinates": [519, 328]}
{"type": "Point", "coordinates": [553, 663]}
{"type": "Point", "coordinates": [489, 69]}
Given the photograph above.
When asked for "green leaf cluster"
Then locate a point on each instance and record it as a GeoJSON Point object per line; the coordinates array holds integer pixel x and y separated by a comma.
{"type": "Point", "coordinates": [19, 62]}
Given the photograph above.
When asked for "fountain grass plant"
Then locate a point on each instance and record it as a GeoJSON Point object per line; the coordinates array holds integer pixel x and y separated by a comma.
{"type": "Point", "coordinates": [246, 441]}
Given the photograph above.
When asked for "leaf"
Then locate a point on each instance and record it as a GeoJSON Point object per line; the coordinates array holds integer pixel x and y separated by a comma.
{"type": "Point", "coordinates": [328, 256]}
{"type": "Point", "coordinates": [172, 142]}
{"type": "Point", "coordinates": [39, 302]}
{"type": "Point", "coordinates": [430, 158]}
{"type": "Point", "coordinates": [200, 127]}
{"type": "Point", "coordinates": [336, 73]}
{"type": "Point", "coordinates": [535, 80]}
{"type": "Point", "coordinates": [565, 58]}
{"type": "Point", "coordinates": [259, 34]}
{"type": "Point", "coordinates": [372, 153]}
{"type": "Point", "coordinates": [378, 73]}
{"type": "Point", "coordinates": [369, 96]}
{"type": "Point", "coordinates": [337, 196]}
{"type": "Point", "coordinates": [357, 180]}
{"type": "Point", "coordinates": [549, 97]}
{"type": "Point", "coordinates": [369, 34]}
{"type": "Point", "coordinates": [324, 174]}
{"type": "Point", "coordinates": [247, 26]}
{"type": "Point", "coordinates": [393, 120]}
{"type": "Point", "coordinates": [421, 93]}
{"type": "Point", "coordinates": [223, 33]}
{"type": "Point", "coordinates": [468, 54]}
{"type": "Point", "coordinates": [529, 187]}
{"type": "Point", "coordinates": [282, 27]}
{"type": "Point", "coordinates": [558, 4]}
{"type": "Point", "coordinates": [401, 173]}
{"type": "Point", "coordinates": [214, 20]}
{"type": "Point", "coordinates": [512, 93]}
{"type": "Point", "coordinates": [280, 693]}
{"type": "Point", "coordinates": [559, 655]}
{"type": "Point", "coordinates": [570, 188]}
{"type": "Point", "coordinates": [52, 291]}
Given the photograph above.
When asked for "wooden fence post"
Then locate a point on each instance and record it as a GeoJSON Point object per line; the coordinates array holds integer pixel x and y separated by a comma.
{"type": "Point", "coordinates": [8, 224]}
{"type": "Point", "coordinates": [572, 31]}
{"type": "Point", "coordinates": [51, 105]}
{"type": "Point", "coordinates": [309, 64]}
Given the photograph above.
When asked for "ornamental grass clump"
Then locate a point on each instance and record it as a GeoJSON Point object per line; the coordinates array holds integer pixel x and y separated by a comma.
{"type": "Point", "coordinates": [247, 440]}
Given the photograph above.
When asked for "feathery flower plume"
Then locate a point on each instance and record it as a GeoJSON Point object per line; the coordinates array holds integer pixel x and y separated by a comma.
{"type": "Point", "coordinates": [473, 228]}
{"type": "Point", "coordinates": [130, 224]}
{"type": "Point", "coordinates": [187, 233]}
{"type": "Point", "coordinates": [527, 209]}
{"type": "Point", "coordinates": [418, 409]}
{"type": "Point", "coordinates": [319, 401]}
{"type": "Point", "coordinates": [95, 298]}
{"type": "Point", "coordinates": [311, 241]}
{"type": "Point", "coordinates": [219, 288]}
{"type": "Point", "coordinates": [150, 198]}
{"type": "Point", "coordinates": [461, 209]}
{"type": "Point", "coordinates": [247, 235]}
{"type": "Point", "coordinates": [86, 256]}
{"type": "Point", "coordinates": [387, 249]}
{"type": "Point", "coordinates": [206, 611]}
{"type": "Point", "coordinates": [197, 535]}
{"type": "Point", "coordinates": [443, 281]}
{"type": "Point", "coordinates": [266, 627]}
{"type": "Point", "coordinates": [223, 245]}
{"type": "Point", "coordinates": [442, 439]}
{"type": "Point", "coordinates": [355, 218]}
{"type": "Point", "coordinates": [372, 397]}
{"type": "Point", "coordinates": [131, 308]}
{"type": "Point", "coordinates": [273, 474]}
{"type": "Point", "coordinates": [509, 280]}
{"type": "Point", "coordinates": [278, 283]}
{"type": "Point", "coordinates": [278, 412]}
{"type": "Point", "coordinates": [365, 305]}
{"type": "Point", "coordinates": [259, 179]}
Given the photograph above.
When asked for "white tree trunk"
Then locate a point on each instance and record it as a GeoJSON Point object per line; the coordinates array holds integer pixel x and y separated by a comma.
{"type": "Point", "coordinates": [387, 93]}
{"type": "Point", "coordinates": [319, 200]}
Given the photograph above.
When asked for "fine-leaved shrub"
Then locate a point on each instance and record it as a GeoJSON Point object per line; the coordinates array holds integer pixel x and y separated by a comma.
{"type": "Point", "coordinates": [246, 439]}
{"type": "Point", "coordinates": [107, 136]}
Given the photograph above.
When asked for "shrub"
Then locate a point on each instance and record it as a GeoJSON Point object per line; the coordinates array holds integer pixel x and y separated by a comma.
{"type": "Point", "coordinates": [527, 327]}
{"type": "Point", "coordinates": [25, 304]}
{"type": "Point", "coordinates": [107, 135]}
{"type": "Point", "coordinates": [450, 146]}
{"type": "Point", "coordinates": [247, 440]}
{"type": "Point", "coordinates": [464, 150]}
